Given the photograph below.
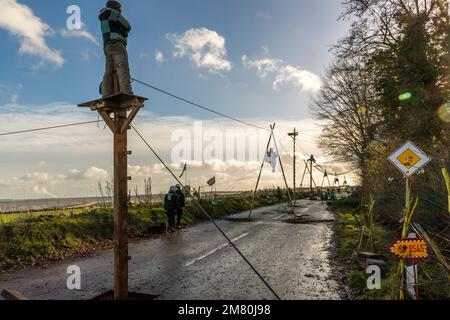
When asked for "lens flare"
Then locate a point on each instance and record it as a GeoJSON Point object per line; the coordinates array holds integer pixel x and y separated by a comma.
{"type": "Point", "coordinates": [444, 112]}
{"type": "Point", "coordinates": [405, 96]}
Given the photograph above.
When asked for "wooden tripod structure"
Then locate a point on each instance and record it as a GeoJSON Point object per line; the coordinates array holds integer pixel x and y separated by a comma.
{"type": "Point", "coordinates": [272, 136]}
{"type": "Point", "coordinates": [325, 176]}
{"type": "Point", "coordinates": [118, 111]}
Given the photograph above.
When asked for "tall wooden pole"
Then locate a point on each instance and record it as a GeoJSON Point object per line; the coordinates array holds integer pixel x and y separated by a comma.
{"type": "Point", "coordinates": [282, 169]}
{"type": "Point", "coordinates": [260, 171]}
{"type": "Point", "coordinates": [118, 105]}
{"type": "Point", "coordinates": [294, 136]}
{"type": "Point", "coordinates": [120, 208]}
{"type": "Point", "coordinates": [311, 180]}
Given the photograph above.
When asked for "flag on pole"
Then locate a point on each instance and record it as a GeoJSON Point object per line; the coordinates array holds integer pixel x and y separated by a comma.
{"type": "Point", "coordinates": [184, 170]}
{"type": "Point", "coordinates": [211, 181]}
{"type": "Point", "coordinates": [271, 158]}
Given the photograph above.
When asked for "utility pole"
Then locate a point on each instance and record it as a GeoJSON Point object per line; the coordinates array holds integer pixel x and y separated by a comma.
{"type": "Point", "coordinates": [294, 136]}
{"type": "Point", "coordinates": [311, 161]}
{"type": "Point", "coordinates": [118, 111]}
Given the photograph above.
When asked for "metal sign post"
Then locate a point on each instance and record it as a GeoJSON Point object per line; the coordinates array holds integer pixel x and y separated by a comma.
{"type": "Point", "coordinates": [408, 159]}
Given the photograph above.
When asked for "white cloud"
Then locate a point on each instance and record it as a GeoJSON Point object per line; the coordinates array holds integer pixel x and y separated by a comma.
{"type": "Point", "coordinates": [20, 20]}
{"type": "Point", "coordinates": [285, 75]}
{"type": "Point", "coordinates": [204, 47]}
{"type": "Point", "coordinates": [12, 93]}
{"type": "Point", "coordinates": [159, 57]}
{"type": "Point", "coordinates": [76, 147]}
{"type": "Point", "coordinates": [82, 33]}
{"type": "Point", "coordinates": [36, 177]}
{"type": "Point", "coordinates": [92, 173]}
{"type": "Point", "coordinates": [95, 173]}
{"type": "Point", "coordinates": [42, 191]}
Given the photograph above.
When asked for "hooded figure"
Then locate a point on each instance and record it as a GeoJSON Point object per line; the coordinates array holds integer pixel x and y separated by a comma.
{"type": "Point", "coordinates": [115, 30]}
{"type": "Point", "coordinates": [182, 197]}
{"type": "Point", "coordinates": [171, 205]}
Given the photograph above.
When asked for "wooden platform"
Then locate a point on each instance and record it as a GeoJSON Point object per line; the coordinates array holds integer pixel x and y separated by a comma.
{"type": "Point", "coordinates": [116, 102]}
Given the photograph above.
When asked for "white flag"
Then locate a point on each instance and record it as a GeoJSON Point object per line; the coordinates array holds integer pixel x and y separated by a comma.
{"type": "Point", "coordinates": [271, 158]}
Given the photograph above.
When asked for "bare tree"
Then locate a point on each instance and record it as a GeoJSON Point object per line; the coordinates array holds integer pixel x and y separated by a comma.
{"type": "Point", "coordinates": [379, 25]}
{"type": "Point", "coordinates": [148, 190]}
{"type": "Point", "coordinates": [102, 194]}
{"type": "Point", "coordinates": [109, 191]}
{"type": "Point", "coordinates": [136, 194]}
{"type": "Point", "coordinates": [345, 103]}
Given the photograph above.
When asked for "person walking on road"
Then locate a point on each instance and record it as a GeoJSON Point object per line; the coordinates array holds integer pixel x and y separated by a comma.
{"type": "Point", "coordinates": [182, 204]}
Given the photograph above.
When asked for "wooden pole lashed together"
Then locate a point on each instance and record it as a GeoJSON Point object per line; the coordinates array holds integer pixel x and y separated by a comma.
{"type": "Point", "coordinates": [272, 136]}
{"type": "Point", "coordinates": [282, 169]}
{"type": "Point", "coordinates": [118, 111]}
{"type": "Point", "coordinates": [260, 170]}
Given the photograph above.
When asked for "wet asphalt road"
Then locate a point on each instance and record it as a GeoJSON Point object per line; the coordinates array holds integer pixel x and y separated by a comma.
{"type": "Point", "coordinates": [197, 263]}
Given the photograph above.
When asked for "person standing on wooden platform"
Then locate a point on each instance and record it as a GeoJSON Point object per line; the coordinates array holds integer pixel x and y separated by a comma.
{"type": "Point", "coordinates": [115, 29]}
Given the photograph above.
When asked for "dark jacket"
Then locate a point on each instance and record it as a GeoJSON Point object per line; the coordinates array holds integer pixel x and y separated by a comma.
{"type": "Point", "coordinates": [171, 202]}
{"type": "Point", "coordinates": [182, 198]}
{"type": "Point", "coordinates": [115, 28]}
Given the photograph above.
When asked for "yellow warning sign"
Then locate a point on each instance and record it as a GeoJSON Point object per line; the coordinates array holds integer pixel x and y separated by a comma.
{"type": "Point", "coordinates": [409, 159]}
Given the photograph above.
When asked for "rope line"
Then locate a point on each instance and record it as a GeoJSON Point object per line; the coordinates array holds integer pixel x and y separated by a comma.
{"type": "Point", "coordinates": [200, 207]}
{"type": "Point", "coordinates": [199, 106]}
{"type": "Point", "coordinates": [48, 128]}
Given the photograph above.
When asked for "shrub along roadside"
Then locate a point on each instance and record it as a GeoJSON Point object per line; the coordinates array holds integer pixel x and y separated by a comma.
{"type": "Point", "coordinates": [34, 239]}
{"type": "Point", "coordinates": [433, 279]}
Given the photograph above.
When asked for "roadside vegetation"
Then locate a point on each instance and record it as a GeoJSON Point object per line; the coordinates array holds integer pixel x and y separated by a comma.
{"type": "Point", "coordinates": [31, 238]}
{"type": "Point", "coordinates": [389, 83]}
{"type": "Point", "coordinates": [357, 232]}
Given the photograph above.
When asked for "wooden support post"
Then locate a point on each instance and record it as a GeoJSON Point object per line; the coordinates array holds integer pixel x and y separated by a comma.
{"type": "Point", "coordinates": [119, 105]}
{"type": "Point", "coordinates": [260, 171]}
{"type": "Point", "coordinates": [120, 208]}
{"type": "Point", "coordinates": [282, 170]}
{"type": "Point", "coordinates": [294, 136]}
{"type": "Point", "coordinates": [311, 177]}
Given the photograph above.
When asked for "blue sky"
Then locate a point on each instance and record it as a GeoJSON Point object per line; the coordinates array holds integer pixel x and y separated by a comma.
{"type": "Point", "coordinates": [298, 32]}
{"type": "Point", "coordinates": [265, 60]}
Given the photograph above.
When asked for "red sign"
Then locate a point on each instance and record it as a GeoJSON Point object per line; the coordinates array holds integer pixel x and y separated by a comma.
{"type": "Point", "coordinates": [411, 249]}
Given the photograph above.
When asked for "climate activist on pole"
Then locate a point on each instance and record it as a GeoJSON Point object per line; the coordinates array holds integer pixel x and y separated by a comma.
{"type": "Point", "coordinates": [115, 29]}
